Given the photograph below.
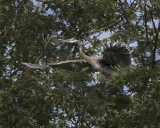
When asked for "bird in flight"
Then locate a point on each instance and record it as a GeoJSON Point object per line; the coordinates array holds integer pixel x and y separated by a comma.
{"type": "Point", "coordinates": [113, 56]}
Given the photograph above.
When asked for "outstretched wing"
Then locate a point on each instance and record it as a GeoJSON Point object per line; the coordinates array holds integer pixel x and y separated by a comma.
{"type": "Point", "coordinates": [35, 66]}
{"type": "Point", "coordinates": [66, 65]}
{"type": "Point", "coordinates": [115, 56]}
{"type": "Point", "coordinates": [72, 65]}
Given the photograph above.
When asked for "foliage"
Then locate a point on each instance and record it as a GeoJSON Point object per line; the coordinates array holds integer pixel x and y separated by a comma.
{"type": "Point", "coordinates": [31, 31]}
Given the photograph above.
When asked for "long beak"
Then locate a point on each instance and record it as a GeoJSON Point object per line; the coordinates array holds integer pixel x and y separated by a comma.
{"type": "Point", "coordinates": [69, 41]}
{"type": "Point", "coordinates": [66, 41]}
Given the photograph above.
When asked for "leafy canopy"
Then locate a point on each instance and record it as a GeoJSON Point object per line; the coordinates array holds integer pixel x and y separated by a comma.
{"type": "Point", "coordinates": [31, 31]}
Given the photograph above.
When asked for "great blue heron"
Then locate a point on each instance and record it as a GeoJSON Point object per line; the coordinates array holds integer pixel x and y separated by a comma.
{"type": "Point", "coordinates": [113, 57]}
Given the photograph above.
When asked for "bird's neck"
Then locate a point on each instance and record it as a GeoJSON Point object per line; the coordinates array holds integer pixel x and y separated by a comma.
{"type": "Point", "coordinates": [81, 52]}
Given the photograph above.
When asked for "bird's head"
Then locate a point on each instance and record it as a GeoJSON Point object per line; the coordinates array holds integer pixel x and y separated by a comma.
{"type": "Point", "coordinates": [72, 40]}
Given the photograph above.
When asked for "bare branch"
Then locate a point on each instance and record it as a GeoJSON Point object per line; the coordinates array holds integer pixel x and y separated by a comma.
{"type": "Point", "coordinates": [156, 38]}
{"type": "Point", "coordinates": [99, 30]}
{"type": "Point", "coordinates": [42, 53]}
{"type": "Point", "coordinates": [44, 39]}
{"type": "Point", "coordinates": [45, 48]}
{"type": "Point", "coordinates": [4, 30]}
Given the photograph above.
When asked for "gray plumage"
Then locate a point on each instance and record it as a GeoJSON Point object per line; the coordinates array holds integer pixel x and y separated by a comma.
{"type": "Point", "coordinates": [113, 56]}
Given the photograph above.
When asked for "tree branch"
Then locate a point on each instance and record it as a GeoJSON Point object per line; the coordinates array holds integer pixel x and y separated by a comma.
{"type": "Point", "coordinates": [146, 28]}
{"type": "Point", "coordinates": [156, 38]}
{"type": "Point", "coordinates": [107, 27]}
{"type": "Point", "coordinates": [99, 30]}
{"type": "Point", "coordinates": [44, 50]}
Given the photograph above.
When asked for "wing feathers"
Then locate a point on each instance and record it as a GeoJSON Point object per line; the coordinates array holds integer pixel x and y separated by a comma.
{"type": "Point", "coordinates": [35, 66]}
{"type": "Point", "coordinates": [66, 65]}
{"type": "Point", "coordinates": [72, 65]}
{"type": "Point", "coordinates": [115, 56]}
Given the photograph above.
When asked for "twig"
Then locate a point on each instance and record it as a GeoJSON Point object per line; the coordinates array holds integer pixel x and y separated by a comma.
{"type": "Point", "coordinates": [99, 30]}
{"type": "Point", "coordinates": [4, 30]}
{"type": "Point", "coordinates": [44, 50]}
{"type": "Point", "coordinates": [107, 27]}
{"type": "Point", "coordinates": [12, 20]}
{"type": "Point", "coordinates": [147, 28]}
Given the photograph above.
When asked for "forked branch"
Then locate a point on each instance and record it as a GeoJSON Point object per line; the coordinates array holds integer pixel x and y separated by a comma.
{"type": "Point", "coordinates": [44, 50]}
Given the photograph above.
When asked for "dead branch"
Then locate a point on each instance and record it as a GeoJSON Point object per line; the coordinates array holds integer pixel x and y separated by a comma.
{"type": "Point", "coordinates": [44, 50]}
{"type": "Point", "coordinates": [156, 38]}
{"type": "Point", "coordinates": [99, 30]}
